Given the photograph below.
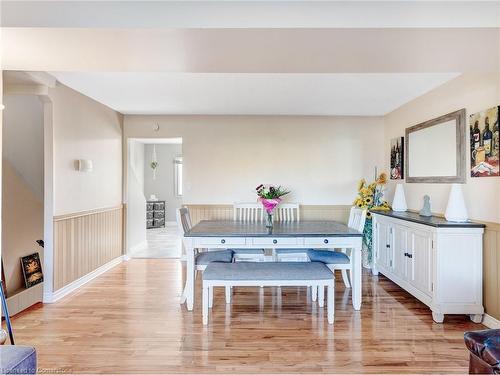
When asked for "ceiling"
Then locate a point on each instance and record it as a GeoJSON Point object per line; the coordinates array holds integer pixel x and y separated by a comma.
{"type": "Point", "coordinates": [253, 94]}
{"type": "Point", "coordinates": [362, 58]}
{"type": "Point", "coordinates": [251, 14]}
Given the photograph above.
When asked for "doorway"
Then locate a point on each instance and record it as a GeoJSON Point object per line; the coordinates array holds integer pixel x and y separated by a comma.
{"type": "Point", "coordinates": [154, 193]}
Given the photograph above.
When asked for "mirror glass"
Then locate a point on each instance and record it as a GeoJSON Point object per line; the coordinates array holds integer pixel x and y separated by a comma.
{"type": "Point", "coordinates": [432, 151]}
{"type": "Point", "coordinates": [435, 150]}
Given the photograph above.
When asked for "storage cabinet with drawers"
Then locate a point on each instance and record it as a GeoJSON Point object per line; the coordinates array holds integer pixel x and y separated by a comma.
{"type": "Point", "coordinates": [155, 214]}
{"type": "Point", "coordinates": [437, 261]}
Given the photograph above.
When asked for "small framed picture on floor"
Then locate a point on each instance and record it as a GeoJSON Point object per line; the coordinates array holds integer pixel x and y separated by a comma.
{"type": "Point", "coordinates": [32, 270]}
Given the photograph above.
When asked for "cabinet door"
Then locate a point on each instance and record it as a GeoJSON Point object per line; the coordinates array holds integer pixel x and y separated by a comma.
{"type": "Point", "coordinates": [382, 244]}
{"type": "Point", "coordinates": [400, 266]}
{"type": "Point", "coordinates": [420, 261]}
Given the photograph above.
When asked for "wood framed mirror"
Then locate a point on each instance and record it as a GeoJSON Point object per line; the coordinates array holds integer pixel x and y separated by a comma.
{"type": "Point", "coordinates": [435, 150]}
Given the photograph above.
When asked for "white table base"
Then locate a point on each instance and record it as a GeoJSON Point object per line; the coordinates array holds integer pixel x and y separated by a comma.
{"type": "Point", "coordinates": [328, 243]}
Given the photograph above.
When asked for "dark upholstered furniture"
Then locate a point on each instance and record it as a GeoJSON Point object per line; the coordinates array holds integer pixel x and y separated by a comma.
{"type": "Point", "coordinates": [17, 359]}
{"type": "Point", "coordinates": [484, 347]}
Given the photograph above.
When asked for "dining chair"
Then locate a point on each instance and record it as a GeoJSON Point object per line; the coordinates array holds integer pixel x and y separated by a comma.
{"type": "Point", "coordinates": [289, 212]}
{"type": "Point", "coordinates": [252, 213]}
{"type": "Point", "coordinates": [342, 259]}
{"type": "Point", "coordinates": [203, 258]}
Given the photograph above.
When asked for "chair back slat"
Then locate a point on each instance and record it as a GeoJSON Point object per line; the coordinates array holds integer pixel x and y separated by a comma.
{"type": "Point", "coordinates": [357, 219]}
{"type": "Point", "coordinates": [184, 219]}
{"type": "Point", "coordinates": [287, 212]}
{"type": "Point", "coordinates": [249, 212]}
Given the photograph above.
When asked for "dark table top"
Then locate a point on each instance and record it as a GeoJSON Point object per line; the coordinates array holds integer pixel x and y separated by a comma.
{"type": "Point", "coordinates": [432, 221]}
{"type": "Point", "coordinates": [217, 228]}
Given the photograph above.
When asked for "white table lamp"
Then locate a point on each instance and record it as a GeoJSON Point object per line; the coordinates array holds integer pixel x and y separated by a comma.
{"type": "Point", "coordinates": [456, 209]}
{"type": "Point", "coordinates": [399, 201]}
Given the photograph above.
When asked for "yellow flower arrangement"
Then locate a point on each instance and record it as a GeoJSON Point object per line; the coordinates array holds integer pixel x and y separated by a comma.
{"type": "Point", "coordinates": [382, 179]}
{"type": "Point", "coordinates": [370, 197]}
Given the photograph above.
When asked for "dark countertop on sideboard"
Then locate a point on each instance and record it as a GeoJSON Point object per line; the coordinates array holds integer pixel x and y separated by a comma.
{"type": "Point", "coordinates": [433, 221]}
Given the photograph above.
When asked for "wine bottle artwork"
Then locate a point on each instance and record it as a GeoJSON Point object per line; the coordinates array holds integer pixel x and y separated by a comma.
{"type": "Point", "coordinates": [397, 158]}
{"type": "Point", "coordinates": [484, 143]}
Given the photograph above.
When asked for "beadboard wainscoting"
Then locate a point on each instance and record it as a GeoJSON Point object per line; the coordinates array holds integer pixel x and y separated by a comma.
{"type": "Point", "coordinates": [491, 271]}
{"type": "Point", "coordinates": [85, 242]}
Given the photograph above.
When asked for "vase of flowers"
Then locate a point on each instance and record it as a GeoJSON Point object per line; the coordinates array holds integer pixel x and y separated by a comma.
{"type": "Point", "coordinates": [371, 198]}
{"type": "Point", "coordinates": [270, 196]}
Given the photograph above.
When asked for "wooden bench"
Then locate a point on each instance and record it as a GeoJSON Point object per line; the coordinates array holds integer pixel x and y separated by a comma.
{"type": "Point", "coordinates": [313, 274]}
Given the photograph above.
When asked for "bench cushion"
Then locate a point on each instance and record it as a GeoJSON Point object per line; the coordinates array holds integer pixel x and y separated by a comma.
{"type": "Point", "coordinates": [247, 271]}
{"type": "Point", "coordinates": [17, 359]}
{"type": "Point", "coordinates": [225, 256]}
{"type": "Point", "coordinates": [291, 251]}
{"type": "Point", "coordinates": [248, 251]}
{"type": "Point", "coordinates": [328, 257]}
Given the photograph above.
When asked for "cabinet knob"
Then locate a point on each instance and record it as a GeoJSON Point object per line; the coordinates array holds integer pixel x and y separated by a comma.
{"type": "Point", "coordinates": [275, 242]}
{"type": "Point", "coordinates": [325, 241]}
{"type": "Point", "coordinates": [223, 241]}
{"type": "Point", "coordinates": [406, 254]}
{"type": "Point", "coordinates": [388, 246]}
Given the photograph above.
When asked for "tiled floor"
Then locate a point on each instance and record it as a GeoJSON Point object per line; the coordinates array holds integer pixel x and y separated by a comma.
{"type": "Point", "coordinates": [162, 243]}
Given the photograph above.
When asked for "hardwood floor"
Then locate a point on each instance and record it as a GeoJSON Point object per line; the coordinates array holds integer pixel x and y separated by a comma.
{"type": "Point", "coordinates": [129, 320]}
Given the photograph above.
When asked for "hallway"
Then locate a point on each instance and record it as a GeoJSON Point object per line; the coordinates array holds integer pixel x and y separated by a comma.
{"type": "Point", "coordinates": [162, 243]}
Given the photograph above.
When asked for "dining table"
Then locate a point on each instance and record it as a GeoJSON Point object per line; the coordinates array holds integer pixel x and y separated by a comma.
{"type": "Point", "coordinates": [306, 234]}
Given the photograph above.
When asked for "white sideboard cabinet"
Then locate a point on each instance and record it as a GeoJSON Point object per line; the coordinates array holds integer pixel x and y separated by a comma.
{"type": "Point", "coordinates": [438, 262]}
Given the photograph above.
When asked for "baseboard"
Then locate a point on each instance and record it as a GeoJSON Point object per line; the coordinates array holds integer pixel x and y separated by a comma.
{"type": "Point", "coordinates": [491, 322]}
{"type": "Point", "coordinates": [71, 287]}
{"type": "Point", "coordinates": [139, 247]}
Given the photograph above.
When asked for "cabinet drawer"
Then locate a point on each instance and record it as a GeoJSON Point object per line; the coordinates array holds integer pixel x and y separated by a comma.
{"type": "Point", "coordinates": [159, 222]}
{"type": "Point", "coordinates": [270, 241]}
{"type": "Point", "coordinates": [320, 241]}
{"type": "Point", "coordinates": [224, 241]}
{"type": "Point", "coordinates": [159, 206]}
{"type": "Point", "coordinates": [159, 214]}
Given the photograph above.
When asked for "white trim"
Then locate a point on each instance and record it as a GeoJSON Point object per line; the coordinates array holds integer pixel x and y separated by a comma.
{"type": "Point", "coordinates": [491, 322]}
{"type": "Point", "coordinates": [139, 247]}
{"type": "Point", "coordinates": [71, 287]}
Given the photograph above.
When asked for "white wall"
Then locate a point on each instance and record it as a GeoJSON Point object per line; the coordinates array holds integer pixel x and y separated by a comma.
{"type": "Point", "coordinates": [136, 161]}
{"type": "Point", "coordinates": [85, 129]}
{"type": "Point", "coordinates": [163, 186]}
{"type": "Point", "coordinates": [136, 203]}
{"type": "Point", "coordinates": [474, 92]}
{"type": "Point", "coordinates": [22, 186]}
{"type": "Point", "coordinates": [225, 157]}
{"type": "Point", "coordinates": [23, 139]}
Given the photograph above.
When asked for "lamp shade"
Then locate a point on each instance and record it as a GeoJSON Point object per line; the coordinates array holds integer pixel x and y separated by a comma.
{"type": "Point", "coordinates": [456, 209]}
{"type": "Point", "coordinates": [399, 201]}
